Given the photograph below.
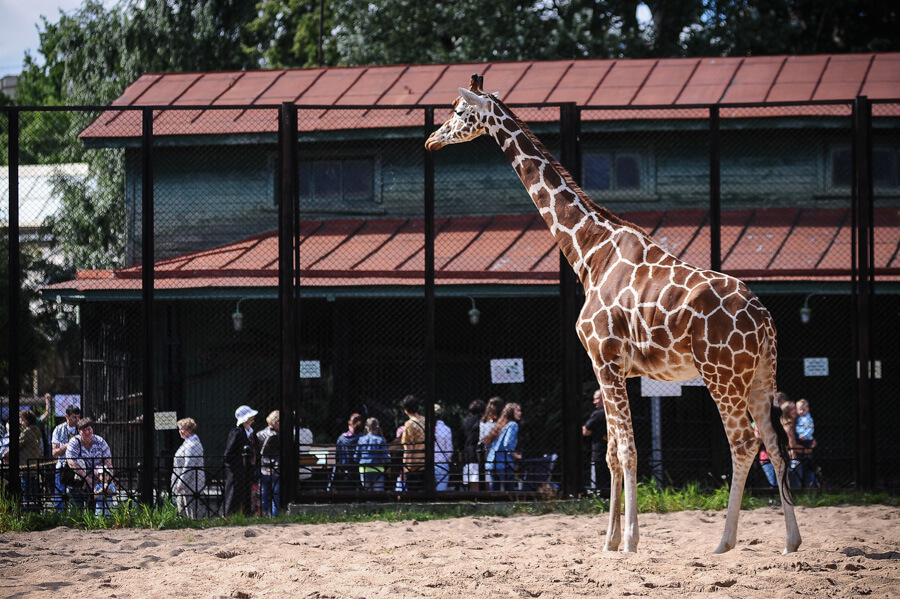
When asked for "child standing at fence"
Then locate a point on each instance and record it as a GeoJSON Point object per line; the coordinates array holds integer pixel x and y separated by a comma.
{"type": "Point", "coordinates": [104, 493]}
{"type": "Point", "coordinates": [805, 425]}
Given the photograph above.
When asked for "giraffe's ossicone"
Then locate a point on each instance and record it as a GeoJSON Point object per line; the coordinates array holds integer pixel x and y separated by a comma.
{"type": "Point", "coordinates": [646, 313]}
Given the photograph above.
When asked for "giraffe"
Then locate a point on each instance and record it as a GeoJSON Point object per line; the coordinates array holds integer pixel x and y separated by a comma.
{"type": "Point", "coordinates": [645, 313]}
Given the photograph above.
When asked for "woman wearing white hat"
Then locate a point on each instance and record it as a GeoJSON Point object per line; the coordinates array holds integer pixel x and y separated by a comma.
{"type": "Point", "coordinates": [241, 453]}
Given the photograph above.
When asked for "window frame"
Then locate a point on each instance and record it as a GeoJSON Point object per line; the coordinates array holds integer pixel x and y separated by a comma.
{"type": "Point", "coordinates": [305, 168]}
{"type": "Point", "coordinates": [643, 159]}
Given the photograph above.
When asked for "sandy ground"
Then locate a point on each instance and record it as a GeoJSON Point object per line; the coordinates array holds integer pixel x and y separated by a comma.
{"type": "Point", "coordinates": [846, 552]}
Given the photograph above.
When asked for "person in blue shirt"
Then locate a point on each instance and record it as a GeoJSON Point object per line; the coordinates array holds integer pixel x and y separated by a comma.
{"type": "Point", "coordinates": [372, 456]}
{"type": "Point", "coordinates": [502, 455]}
{"type": "Point", "coordinates": [805, 426]}
{"type": "Point", "coordinates": [346, 471]}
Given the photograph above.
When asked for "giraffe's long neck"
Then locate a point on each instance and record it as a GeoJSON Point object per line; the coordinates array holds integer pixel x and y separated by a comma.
{"type": "Point", "coordinates": [577, 224]}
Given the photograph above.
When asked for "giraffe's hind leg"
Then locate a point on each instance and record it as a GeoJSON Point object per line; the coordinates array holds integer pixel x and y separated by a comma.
{"type": "Point", "coordinates": [766, 420]}
{"type": "Point", "coordinates": [731, 400]}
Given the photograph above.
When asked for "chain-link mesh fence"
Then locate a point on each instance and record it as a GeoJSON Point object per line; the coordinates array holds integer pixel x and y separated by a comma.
{"type": "Point", "coordinates": [374, 326]}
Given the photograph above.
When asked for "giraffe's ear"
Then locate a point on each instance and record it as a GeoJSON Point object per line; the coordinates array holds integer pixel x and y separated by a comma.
{"type": "Point", "coordinates": [472, 98]}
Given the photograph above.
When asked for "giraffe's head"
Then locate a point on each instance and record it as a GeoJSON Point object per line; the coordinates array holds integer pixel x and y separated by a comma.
{"type": "Point", "coordinates": [470, 112]}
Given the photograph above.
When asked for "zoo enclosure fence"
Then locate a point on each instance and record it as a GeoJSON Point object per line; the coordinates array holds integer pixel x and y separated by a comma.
{"type": "Point", "coordinates": [133, 349]}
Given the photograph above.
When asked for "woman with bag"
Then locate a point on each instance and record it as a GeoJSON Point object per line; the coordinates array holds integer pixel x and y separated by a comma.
{"type": "Point", "coordinates": [502, 455]}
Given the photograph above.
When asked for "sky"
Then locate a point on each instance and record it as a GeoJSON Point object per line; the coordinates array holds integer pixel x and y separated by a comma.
{"type": "Point", "coordinates": [18, 31]}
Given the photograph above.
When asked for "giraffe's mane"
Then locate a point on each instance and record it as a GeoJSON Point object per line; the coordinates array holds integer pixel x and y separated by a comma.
{"type": "Point", "coordinates": [564, 173]}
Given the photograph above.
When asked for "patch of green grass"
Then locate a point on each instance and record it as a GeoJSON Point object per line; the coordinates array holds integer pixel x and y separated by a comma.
{"type": "Point", "coordinates": [651, 498]}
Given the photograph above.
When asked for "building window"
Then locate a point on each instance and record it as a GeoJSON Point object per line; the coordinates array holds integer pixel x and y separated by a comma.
{"type": "Point", "coordinates": [612, 171]}
{"type": "Point", "coordinates": [885, 167]}
{"type": "Point", "coordinates": [349, 181]}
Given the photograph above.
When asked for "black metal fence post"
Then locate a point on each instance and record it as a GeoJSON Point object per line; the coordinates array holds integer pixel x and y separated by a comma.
{"type": "Point", "coordinates": [863, 288]}
{"type": "Point", "coordinates": [288, 229]}
{"type": "Point", "coordinates": [15, 294]}
{"type": "Point", "coordinates": [572, 475]}
{"type": "Point", "coordinates": [715, 191]}
{"type": "Point", "coordinates": [430, 386]}
{"type": "Point", "coordinates": [145, 476]}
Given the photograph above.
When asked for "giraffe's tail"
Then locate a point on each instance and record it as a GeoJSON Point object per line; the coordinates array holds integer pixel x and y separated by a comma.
{"type": "Point", "coordinates": [783, 445]}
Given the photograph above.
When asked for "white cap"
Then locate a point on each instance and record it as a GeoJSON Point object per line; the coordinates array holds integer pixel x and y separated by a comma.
{"type": "Point", "coordinates": [244, 413]}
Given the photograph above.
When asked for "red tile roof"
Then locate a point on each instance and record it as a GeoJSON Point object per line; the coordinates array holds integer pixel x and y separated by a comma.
{"type": "Point", "coordinates": [757, 245]}
{"type": "Point", "coordinates": [590, 83]}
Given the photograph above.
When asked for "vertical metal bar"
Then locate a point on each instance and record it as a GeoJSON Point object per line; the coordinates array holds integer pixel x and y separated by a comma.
{"type": "Point", "coordinates": [15, 303]}
{"type": "Point", "coordinates": [715, 191]}
{"type": "Point", "coordinates": [572, 466]}
{"type": "Point", "coordinates": [145, 476]}
{"type": "Point", "coordinates": [287, 306]}
{"type": "Point", "coordinates": [430, 384]}
{"type": "Point", "coordinates": [864, 284]}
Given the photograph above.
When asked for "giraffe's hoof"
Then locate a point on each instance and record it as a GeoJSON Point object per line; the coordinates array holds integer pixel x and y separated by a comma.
{"type": "Point", "coordinates": [723, 548]}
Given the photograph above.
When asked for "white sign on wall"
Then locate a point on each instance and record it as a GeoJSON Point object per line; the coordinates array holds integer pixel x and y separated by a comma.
{"type": "Point", "coordinates": [310, 369]}
{"type": "Point", "coordinates": [509, 370]}
{"type": "Point", "coordinates": [61, 402]}
{"type": "Point", "coordinates": [815, 366]}
{"type": "Point", "coordinates": [164, 421]}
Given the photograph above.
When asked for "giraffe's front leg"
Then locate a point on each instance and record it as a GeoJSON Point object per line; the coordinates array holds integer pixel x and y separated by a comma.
{"type": "Point", "coordinates": [621, 457]}
{"type": "Point", "coordinates": [614, 530]}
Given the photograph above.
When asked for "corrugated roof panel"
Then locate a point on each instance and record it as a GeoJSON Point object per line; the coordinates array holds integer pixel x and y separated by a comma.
{"type": "Point", "coordinates": [580, 81]}
{"type": "Point", "coordinates": [445, 89]}
{"type": "Point", "coordinates": [753, 79]}
{"type": "Point", "coordinates": [482, 252]}
{"type": "Point", "coordinates": [223, 122]}
{"type": "Point", "coordinates": [538, 81]}
{"type": "Point", "coordinates": [207, 88]}
{"type": "Point", "coordinates": [887, 236]}
{"type": "Point", "coordinates": [168, 89]}
{"type": "Point", "coordinates": [331, 86]}
{"type": "Point", "coordinates": [119, 123]}
{"type": "Point", "coordinates": [622, 83]}
{"type": "Point", "coordinates": [798, 79]}
{"type": "Point", "coordinates": [765, 233]}
{"type": "Point", "coordinates": [839, 255]}
{"type": "Point", "coordinates": [371, 85]}
{"type": "Point", "coordinates": [665, 82]}
{"type": "Point", "coordinates": [248, 87]}
{"type": "Point", "coordinates": [327, 237]}
{"type": "Point", "coordinates": [364, 241]}
{"type": "Point", "coordinates": [407, 241]}
{"type": "Point", "coordinates": [176, 122]}
{"type": "Point", "coordinates": [409, 88]}
{"type": "Point", "coordinates": [499, 77]}
{"type": "Point", "coordinates": [678, 229]}
{"type": "Point", "coordinates": [710, 80]}
{"type": "Point", "coordinates": [843, 77]}
{"type": "Point", "coordinates": [883, 78]}
{"type": "Point", "coordinates": [733, 224]}
{"type": "Point", "coordinates": [525, 252]}
{"type": "Point", "coordinates": [453, 238]}
{"type": "Point", "coordinates": [134, 91]}
{"type": "Point", "coordinates": [811, 236]}
{"type": "Point", "coordinates": [262, 254]}
{"type": "Point", "coordinates": [289, 86]}
{"type": "Point", "coordinates": [516, 248]}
